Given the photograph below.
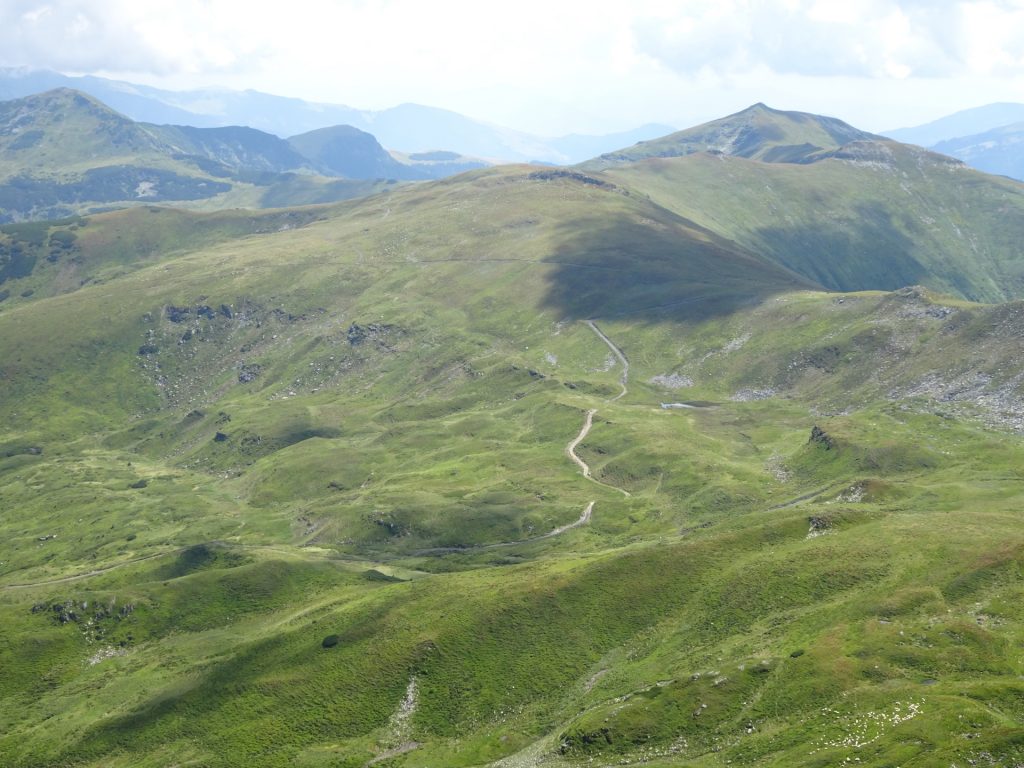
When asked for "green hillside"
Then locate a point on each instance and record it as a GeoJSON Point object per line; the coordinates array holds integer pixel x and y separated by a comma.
{"type": "Point", "coordinates": [868, 214]}
{"type": "Point", "coordinates": [307, 488]}
{"type": "Point", "coordinates": [63, 153]}
{"type": "Point", "coordinates": [757, 133]}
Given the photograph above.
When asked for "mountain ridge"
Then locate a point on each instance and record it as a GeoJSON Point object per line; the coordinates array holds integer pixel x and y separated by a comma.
{"type": "Point", "coordinates": [284, 116]}
{"type": "Point", "coordinates": [63, 152]}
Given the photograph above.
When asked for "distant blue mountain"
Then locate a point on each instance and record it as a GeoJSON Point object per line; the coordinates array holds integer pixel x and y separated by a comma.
{"type": "Point", "coordinates": [989, 138]}
{"type": "Point", "coordinates": [408, 127]}
{"type": "Point", "coordinates": [1000, 150]}
{"type": "Point", "coordinates": [967, 122]}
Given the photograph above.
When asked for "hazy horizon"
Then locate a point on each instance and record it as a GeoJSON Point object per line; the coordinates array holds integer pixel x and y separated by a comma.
{"type": "Point", "coordinates": [551, 69]}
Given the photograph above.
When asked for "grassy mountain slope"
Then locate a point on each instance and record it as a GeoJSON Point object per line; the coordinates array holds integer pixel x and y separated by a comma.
{"type": "Point", "coordinates": [46, 258]}
{"type": "Point", "coordinates": [63, 153]}
{"type": "Point", "coordinates": [346, 151]}
{"type": "Point", "coordinates": [867, 215]}
{"type": "Point", "coordinates": [283, 500]}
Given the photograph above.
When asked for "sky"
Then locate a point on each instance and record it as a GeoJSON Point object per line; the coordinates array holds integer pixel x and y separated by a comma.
{"type": "Point", "coordinates": [550, 66]}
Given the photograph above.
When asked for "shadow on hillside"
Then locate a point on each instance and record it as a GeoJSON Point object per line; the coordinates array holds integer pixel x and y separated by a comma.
{"type": "Point", "coordinates": [864, 251]}
{"type": "Point", "coordinates": [623, 265]}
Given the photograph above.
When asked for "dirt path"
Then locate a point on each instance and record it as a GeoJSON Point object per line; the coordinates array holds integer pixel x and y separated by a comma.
{"type": "Point", "coordinates": [624, 377]}
{"type": "Point", "coordinates": [94, 572]}
{"type": "Point", "coordinates": [570, 451]}
{"type": "Point", "coordinates": [135, 560]}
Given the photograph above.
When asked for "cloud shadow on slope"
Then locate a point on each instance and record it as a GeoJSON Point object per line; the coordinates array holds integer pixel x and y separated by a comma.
{"type": "Point", "coordinates": [865, 252]}
{"type": "Point", "coordinates": [652, 270]}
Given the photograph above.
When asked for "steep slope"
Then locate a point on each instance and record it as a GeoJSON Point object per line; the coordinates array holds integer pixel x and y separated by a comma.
{"type": "Point", "coordinates": [68, 130]}
{"type": "Point", "coordinates": [758, 133]}
{"type": "Point", "coordinates": [309, 497]}
{"type": "Point", "coordinates": [346, 151]}
{"type": "Point", "coordinates": [236, 147]}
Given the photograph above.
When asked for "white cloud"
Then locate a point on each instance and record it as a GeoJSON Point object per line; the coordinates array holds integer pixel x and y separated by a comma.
{"type": "Point", "coordinates": [824, 38]}
{"type": "Point", "coordinates": [537, 64]}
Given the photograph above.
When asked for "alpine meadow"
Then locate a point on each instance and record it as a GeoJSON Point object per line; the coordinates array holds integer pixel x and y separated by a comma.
{"type": "Point", "coordinates": [707, 451]}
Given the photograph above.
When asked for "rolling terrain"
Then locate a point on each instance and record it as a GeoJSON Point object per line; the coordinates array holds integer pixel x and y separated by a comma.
{"type": "Point", "coordinates": [523, 467]}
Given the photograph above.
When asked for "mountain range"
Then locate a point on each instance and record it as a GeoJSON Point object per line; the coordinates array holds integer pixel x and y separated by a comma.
{"type": "Point", "coordinates": [704, 452]}
{"type": "Point", "coordinates": [63, 152]}
{"type": "Point", "coordinates": [409, 128]}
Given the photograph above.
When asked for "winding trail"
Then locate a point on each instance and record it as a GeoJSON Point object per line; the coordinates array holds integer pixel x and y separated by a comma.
{"type": "Point", "coordinates": [624, 376]}
{"type": "Point", "coordinates": [570, 451]}
{"type": "Point", "coordinates": [143, 558]}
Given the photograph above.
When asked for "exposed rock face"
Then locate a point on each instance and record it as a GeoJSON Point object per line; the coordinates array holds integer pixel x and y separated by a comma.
{"type": "Point", "coordinates": [582, 178]}
{"type": "Point", "coordinates": [248, 372]}
{"type": "Point", "coordinates": [359, 334]}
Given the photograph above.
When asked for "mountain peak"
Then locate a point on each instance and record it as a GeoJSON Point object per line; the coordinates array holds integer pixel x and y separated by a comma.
{"type": "Point", "coordinates": [757, 133]}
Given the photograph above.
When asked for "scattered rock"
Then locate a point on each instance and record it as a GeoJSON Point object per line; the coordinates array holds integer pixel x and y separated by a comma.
{"type": "Point", "coordinates": [747, 395]}
{"type": "Point", "coordinates": [672, 381]}
{"type": "Point", "coordinates": [106, 653]}
{"type": "Point", "coordinates": [177, 314]}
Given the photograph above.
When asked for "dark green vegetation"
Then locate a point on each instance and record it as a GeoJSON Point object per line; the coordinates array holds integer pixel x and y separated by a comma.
{"type": "Point", "coordinates": [277, 489]}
